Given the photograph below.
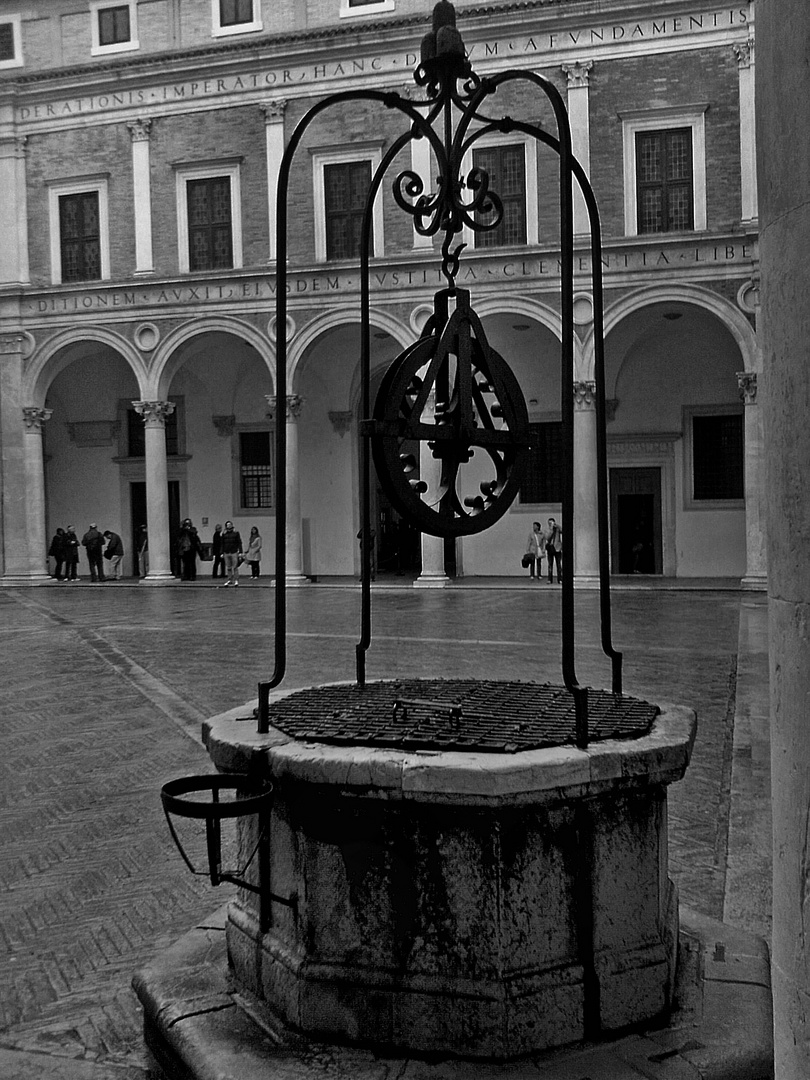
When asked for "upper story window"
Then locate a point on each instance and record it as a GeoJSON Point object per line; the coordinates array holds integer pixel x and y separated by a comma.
{"type": "Point", "coordinates": [256, 473]}
{"type": "Point", "coordinates": [208, 217]}
{"type": "Point", "coordinates": [349, 8]}
{"type": "Point", "coordinates": [715, 457]}
{"type": "Point", "coordinates": [341, 182]}
{"type": "Point", "coordinates": [235, 16]}
{"type": "Point", "coordinates": [10, 41]}
{"type": "Point", "coordinates": [80, 247]}
{"type": "Point", "coordinates": [114, 26]}
{"type": "Point", "coordinates": [506, 168]}
{"type": "Point", "coordinates": [664, 171]}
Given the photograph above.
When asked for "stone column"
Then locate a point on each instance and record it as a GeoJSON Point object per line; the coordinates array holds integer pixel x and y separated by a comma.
{"type": "Point", "coordinates": [783, 158]}
{"type": "Point", "coordinates": [142, 194]}
{"type": "Point", "coordinates": [13, 211]}
{"type": "Point", "coordinates": [432, 574]}
{"type": "Point", "coordinates": [585, 545]}
{"type": "Point", "coordinates": [578, 75]}
{"type": "Point", "coordinates": [295, 548]}
{"type": "Point", "coordinates": [12, 456]}
{"type": "Point", "coordinates": [154, 415]}
{"type": "Point", "coordinates": [748, 142]}
{"type": "Point", "coordinates": [755, 549]}
{"type": "Point", "coordinates": [274, 149]}
{"type": "Point", "coordinates": [33, 420]}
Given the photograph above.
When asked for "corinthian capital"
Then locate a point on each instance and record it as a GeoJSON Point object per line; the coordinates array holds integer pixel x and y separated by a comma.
{"type": "Point", "coordinates": [34, 417]}
{"type": "Point", "coordinates": [139, 129]}
{"type": "Point", "coordinates": [584, 396]}
{"type": "Point", "coordinates": [154, 413]}
{"type": "Point", "coordinates": [578, 74]}
{"type": "Point", "coordinates": [747, 382]}
{"type": "Point", "coordinates": [274, 110]}
{"type": "Point", "coordinates": [744, 53]}
{"type": "Point", "coordinates": [292, 406]}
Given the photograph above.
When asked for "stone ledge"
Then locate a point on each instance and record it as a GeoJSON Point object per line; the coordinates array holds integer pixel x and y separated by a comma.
{"type": "Point", "coordinates": [720, 1029]}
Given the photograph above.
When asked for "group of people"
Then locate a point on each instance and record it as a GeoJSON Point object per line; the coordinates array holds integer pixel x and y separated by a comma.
{"type": "Point", "coordinates": [64, 551]}
{"type": "Point", "coordinates": [544, 543]}
{"type": "Point", "coordinates": [226, 547]}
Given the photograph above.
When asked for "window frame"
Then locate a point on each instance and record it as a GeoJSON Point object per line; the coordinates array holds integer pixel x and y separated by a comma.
{"type": "Point", "coordinates": [689, 116]}
{"type": "Point", "coordinates": [530, 176]}
{"type": "Point", "coordinates": [79, 186]}
{"type": "Point", "coordinates": [96, 48]}
{"type": "Point", "coordinates": [15, 21]}
{"type": "Point", "coordinates": [538, 419]}
{"type": "Point", "coordinates": [253, 27]}
{"type": "Point", "coordinates": [207, 171]}
{"type": "Point", "coordinates": [357, 152]}
{"type": "Point", "coordinates": [236, 462]}
{"type": "Point", "coordinates": [689, 413]}
{"type": "Point", "coordinates": [375, 7]}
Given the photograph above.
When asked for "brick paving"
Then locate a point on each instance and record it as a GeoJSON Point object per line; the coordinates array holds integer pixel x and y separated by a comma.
{"type": "Point", "coordinates": [102, 690]}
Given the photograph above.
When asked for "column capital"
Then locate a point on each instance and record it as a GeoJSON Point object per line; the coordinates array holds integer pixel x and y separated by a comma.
{"type": "Point", "coordinates": [578, 74]}
{"type": "Point", "coordinates": [744, 51]}
{"type": "Point", "coordinates": [154, 413]}
{"type": "Point", "coordinates": [34, 417]}
{"type": "Point", "coordinates": [139, 129]}
{"type": "Point", "coordinates": [584, 396]}
{"type": "Point", "coordinates": [225, 425]}
{"type": "Point", "coordinates": [293, 405]}
{"type": "Point", "coordinates": [747, 382]}
{"type": "Point", "coordinates": [341, 421]}
{"type": "Point", "coordinates": [11, 343]}
{"type": "Point", "coordinates": [274, 110]}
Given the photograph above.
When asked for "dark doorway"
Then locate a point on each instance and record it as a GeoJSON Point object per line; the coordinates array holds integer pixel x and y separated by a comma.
{"type": "Point", "coordinates": [397, 547]}
{"type": "Point", "coordinates": [635, 521]}
{"type": "Point", "coordinates": [137, 507]}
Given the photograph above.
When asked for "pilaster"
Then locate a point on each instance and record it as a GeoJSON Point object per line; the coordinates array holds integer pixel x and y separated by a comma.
{"type": "Point", "coordinates": [585, 542]}
{"type": "Point", "coordinates": [273, 112]}
{"type": "Point", "coordinates": [293, 404]}
{"type": "Point", "coordinates": [142, 194]}
{"type": "Point", "coordinates": [14, 267]}
{"type": "Point", "coordinates": [748, 142]}
{"type": "Point", "coordinates": [755, 537]}
{"type": "Point", "coordinates": [578, 75]}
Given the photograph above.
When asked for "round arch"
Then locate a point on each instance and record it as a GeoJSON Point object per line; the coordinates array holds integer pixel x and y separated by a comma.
{"type": "Point", "coordinates": [729, 315]}
{"type": "Point", "coordinates": [54, 356]}
{"type": "Point", "coordinates": [168, 359]}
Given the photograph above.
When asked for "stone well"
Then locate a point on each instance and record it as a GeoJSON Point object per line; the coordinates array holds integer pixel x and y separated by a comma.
{"type": "Point", "coordinates": [477, 904]}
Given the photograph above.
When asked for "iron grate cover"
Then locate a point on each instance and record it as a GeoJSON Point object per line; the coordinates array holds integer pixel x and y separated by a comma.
{"type": "Point", "coordinates": [455, 714]}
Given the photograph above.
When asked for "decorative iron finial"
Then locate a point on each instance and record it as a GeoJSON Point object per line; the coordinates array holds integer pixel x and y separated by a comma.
{"type": "Point", "coordinates": [443, 52]}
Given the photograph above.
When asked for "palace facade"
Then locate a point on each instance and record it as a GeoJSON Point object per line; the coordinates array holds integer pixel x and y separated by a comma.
{"type": "Point", "coordinates": [140, 144]}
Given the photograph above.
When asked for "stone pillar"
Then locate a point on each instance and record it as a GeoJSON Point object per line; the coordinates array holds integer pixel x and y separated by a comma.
{"type": "Point", "coordinates": [33, 420]}
{"type": "Point", "coordinates": [154, 415]}
{"type": "Point", "coordinates": [783, 158]}
{"type": "Point", "coordinates": [585, 545]}
{"type": "Point", "coordinates": [748, 142]}
{"type": "Point", "coordinates": [13, 211]}
{"type": "Point", "coordinates": [142, 194]}
{"type": "Point", "coordinates": [12, 461]}
{"type": "Point", "coordinates": [295, 548]}
{"type": "Point", "coordinates": [421, 162]}
{"type": "Point", "coordinates": [578, 75]}
{"type": "Point", "coordinates": [432, 574]}
{"type": "Point", "coordinates": [755, 549]}
{"type": "Point", "coordinates": [274, 149]}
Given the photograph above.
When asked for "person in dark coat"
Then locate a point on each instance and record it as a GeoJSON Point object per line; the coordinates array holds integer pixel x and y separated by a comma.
{"type": "Point", "coordinates": [93, 543]}
{"type": "Point", "coordinates": [114, 552]}
{"type": "Point", "coordinates": [58, 553]}
{"type": "Point", "coordinates": [143, 551]}
{"type": "Point", "coordinates": [71, 553]}
{"type": "Point", "coordinates": [216, 551]}
{"type": "Point", "coordinates": [188, 547]}
{"type": "Point", "coordinates": [231, 552]}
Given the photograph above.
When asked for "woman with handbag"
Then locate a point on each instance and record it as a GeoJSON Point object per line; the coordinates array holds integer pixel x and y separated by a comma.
{"type": "Point", "coordinates": [535, 547]}
{"type": "Point", "coordinates": [253, 554]}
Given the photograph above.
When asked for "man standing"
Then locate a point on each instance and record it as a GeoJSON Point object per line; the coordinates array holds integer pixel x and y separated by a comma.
{"type": "Point", "coordinates": [554, 550]}
{"type": "Point", "coordinates": [71, 553]}
{"type": "Point", "coordinates": [114, 552]}
{"type": "Point", "coordinates": [58, 553]}
{"type": "Point", "coordinates": [93, 542]}
{"type": "Point", "coordinates": [231, 551]}
{"type": "Point", "coordinates": [216, 551]}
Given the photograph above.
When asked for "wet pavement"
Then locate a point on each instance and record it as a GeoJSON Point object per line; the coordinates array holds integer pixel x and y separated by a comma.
{"type": "Point", "coordinates": [102, 692]}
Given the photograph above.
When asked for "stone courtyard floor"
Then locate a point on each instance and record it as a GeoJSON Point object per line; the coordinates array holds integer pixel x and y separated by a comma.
{"type": "Point", "coordinates": [102, 693]}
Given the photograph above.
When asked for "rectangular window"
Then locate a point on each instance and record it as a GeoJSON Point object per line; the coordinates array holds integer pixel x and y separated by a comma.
{"type": "Point", "coordinates": [80, 236]}
{"type": "Point", "coordinates": [717, 457]}
{"type": "Point", "coordinates": [136, 434]}
{"type": "Point", "coordinates": [255, 470]}
{"type": "Point", "coordinates": [346, 187]}
{"type": "Point", "coordinates": [665, 197]}
{"type": "Point", "coordinates": [11, 41]}
{"type": "Point", "coordinates": [235, 12]}
{"type": "Point", "coordinates": [543, 479]}
{"type": "Point", "coordinates": [506, 169]}
{"type": "Point", "coordinates": [210, 236]}
{"type": "Point", "coordinates": [113, 25]}
{"type": "Point", "coordinates": [7, 49]}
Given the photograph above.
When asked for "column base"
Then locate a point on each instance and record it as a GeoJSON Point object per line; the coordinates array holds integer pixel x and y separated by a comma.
{"type": "Point", "coordinates": [158, 579]}
{"type": "Point", "coordinates": [295, 581]}
{"type": "Point", "coordinates": [11, 580]}
{"type": "Point", "coordinates": [431, 581]}
{"type": "Point", "coordinates": [586, 581]}
{"type": "Point", "coordinates": [755, 583]}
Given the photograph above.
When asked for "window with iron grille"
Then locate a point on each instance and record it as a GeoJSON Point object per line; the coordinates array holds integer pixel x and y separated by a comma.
{"type": "Point", "coordinates": [506, 168]}
{"type": "Point", "coordinates": [717, 457]}
{"type": "Point", "coordinates": [7, 51]}
{"type": "Point", "coordinates": [664, 180]}
{"type": "Point", "coordinates": [210, 237]}
{"type": "Point", "coordinates": [136, 433]}
{"type": "Point", "coordinates": [256, 469]}
{"type": "Point", "coordinates": [113, 25]}
{"type": "Point", "coordinates": [543, 479]}
{"type": "Point", "coordinates": [235, 12]}
{"type": "Point", "coordinates": [346, 187]}
{"type": "Point", "coordinates": [80, 236]}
